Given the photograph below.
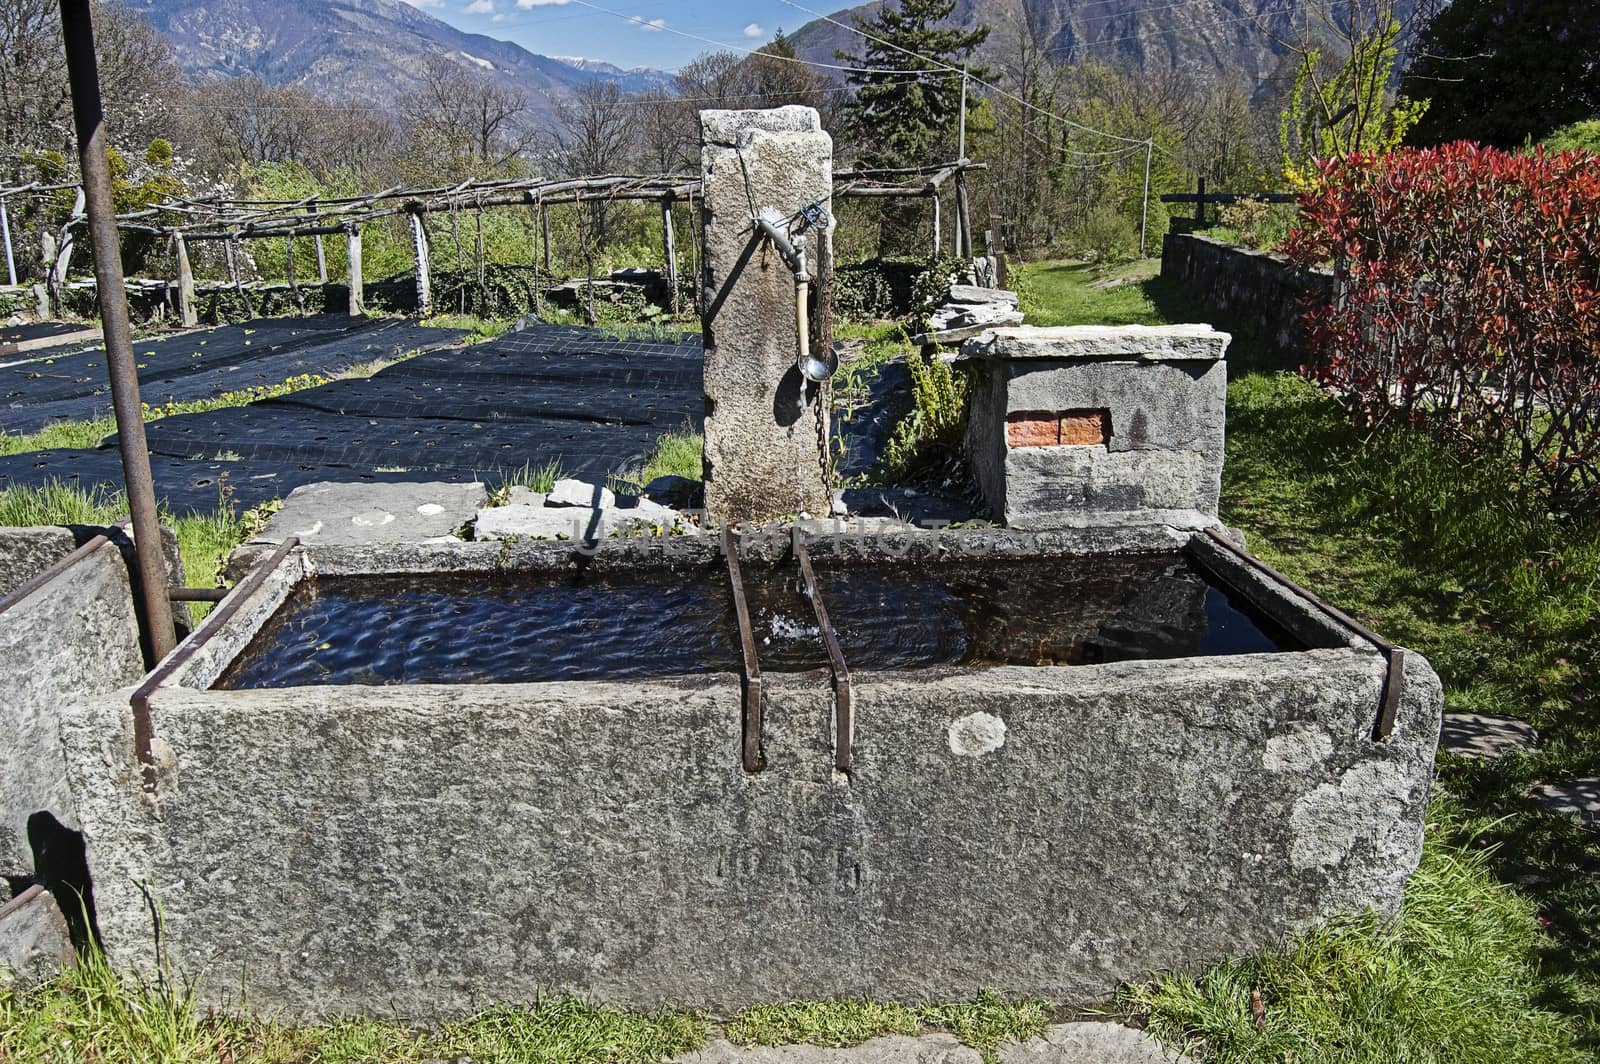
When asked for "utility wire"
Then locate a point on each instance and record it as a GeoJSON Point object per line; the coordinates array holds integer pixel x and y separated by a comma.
{"type": "Point", "coordinates": [940, 63]}
{"type": "Point", "coordinates": [664, 28]}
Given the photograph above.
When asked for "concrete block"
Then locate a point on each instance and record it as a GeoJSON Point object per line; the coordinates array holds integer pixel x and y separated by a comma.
{"type": "Point", "coordinates": [27, 552]}
{"type": "Point", "coordinates": [360, 513]}
{"type": "Point", "coordinates": [517, 495]}
{"type": "Point", "coordinates": [1140, 414]}
{"type": "Point", "coordinates": [74, 638]}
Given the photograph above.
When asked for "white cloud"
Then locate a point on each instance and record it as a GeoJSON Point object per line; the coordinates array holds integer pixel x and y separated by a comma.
{"type": "Point", "coordinates": [754, 31]}
{"type": "Point", "coordinates": [655, 25]}
{"type": "Point", "coordinates": [500, 17]}
{"type": "Point", "coordinates": [480, 7]}
{"type": "Point", "coordinates": [525, 4]}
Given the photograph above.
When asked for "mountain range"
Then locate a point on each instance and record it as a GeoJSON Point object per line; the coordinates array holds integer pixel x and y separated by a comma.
{"type": "Point", "coordinates": [371, 51]}
{"type": "Point", "coordinates": [368, 51]}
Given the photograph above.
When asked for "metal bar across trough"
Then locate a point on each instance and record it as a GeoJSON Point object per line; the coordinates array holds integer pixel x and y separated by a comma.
{"type": "Point", "coordinates": [1394, 673]}
{"type": "Point", "coordinates": [751, 678]}
{"type": "Point", "coordinates": [844, 722]}
{"type": "Point", "coordinates": [143, 726]}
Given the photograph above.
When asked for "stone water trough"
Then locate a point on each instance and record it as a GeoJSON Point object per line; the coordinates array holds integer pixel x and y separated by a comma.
{"type": "Point", "coordinates": [803, 759]}
{"type": "Point", "coordinates": [1142, 751]}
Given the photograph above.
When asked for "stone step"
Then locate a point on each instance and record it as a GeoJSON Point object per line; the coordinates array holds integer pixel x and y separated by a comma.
{"type": "Point", "coordinates": [1066, 1043]}
{"type": "Point", "coordinates": [1485, 735]}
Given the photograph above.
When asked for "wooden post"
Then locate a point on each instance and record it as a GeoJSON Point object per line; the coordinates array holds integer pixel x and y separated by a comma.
{"type": "Point", "coordinates": [483, 287]}
{"type": "Point", "coordinates": [670, 247]}
{"type": "Point", "coordinates": [544, 228]}
{"type": "Point", "coordinates": [5, 234]}
{"type": "Point", "coordinates": [419, 248]}
{"type": "Point", "coordinates": [186, 313]}
{"type": "Point", "coordinates": [1200, 205]}
{"type": "Point", "coordinates": [237, 276]}
{"type": "Point", "coordinates": [288, 269]}
{"type": "Point", "coordinates": [322, 258]}
{"type": "Point", "coordinates": [935, 198]}
{"type": "Point", "coordinates": [353, 243]}
{"type": "Point", "coordinates": [963, 225]}
{"type": "Point", "coordinates": [963, 221]}
{"type": "Point", "coordinates": [1144, 215]}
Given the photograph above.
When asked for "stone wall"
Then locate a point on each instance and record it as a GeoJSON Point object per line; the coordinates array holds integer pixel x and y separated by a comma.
{"type": "Point", "coordinates": [74, 638]}
{"type": "Point", "coordinates": [1252, 294]}
{"type": "Point", "coordinates": [424, 850]}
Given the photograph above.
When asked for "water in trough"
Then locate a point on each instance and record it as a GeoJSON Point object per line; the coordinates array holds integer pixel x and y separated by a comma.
{"type": "Point", "coordinates": [524, 627]}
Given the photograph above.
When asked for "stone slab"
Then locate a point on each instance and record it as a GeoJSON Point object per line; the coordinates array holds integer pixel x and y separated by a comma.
{"type": "Point", "coordinates": [890, 1049]}
{"type": "Point", "coordinates": [1576, 798]}
{"type": "Point", "coordinates": [762, 458]}
{"type": "Point", "coordinates": [519, 521]}
{"type": "Point", "coordinates": [1090, 1043]}
{"type": "Point", "coordinates": [27, 552]}
{"type": "Point", "coordinates": [71, 639]}
{"type": "Point", "coordinates": [34, 942]}
{"type": "Point", "coordinates": [1158, 343]}
{"type": "Point", "coordinates": [1153, 815]}
{"type": "Point", "coordinates": [970, 293]}
{"type": "Point", "coordinates": [1486, 735]}
{"type": "Point", "coordinates": [357, 513]}
{"type": "Point", "coordinates": [579, 493]}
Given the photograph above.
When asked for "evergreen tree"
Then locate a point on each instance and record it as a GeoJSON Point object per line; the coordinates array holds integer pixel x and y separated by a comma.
{"type": "Point", "coordinates": [900, 120]}
{"type": "Point", "coordinates": [1502, 71]}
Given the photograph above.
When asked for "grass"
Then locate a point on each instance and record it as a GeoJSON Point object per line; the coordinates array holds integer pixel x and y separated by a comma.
{"type": "Point", "coordinates": [676, 454]}
{"type": "Point", "coordinates": [475, 327]}
{"type": "Point", "coordinates": [204, 540]}
{"type": "Point", "coordinates": [92, 1013]}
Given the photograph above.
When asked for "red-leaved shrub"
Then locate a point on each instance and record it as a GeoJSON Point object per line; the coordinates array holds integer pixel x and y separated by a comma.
{"type": "Point", "coordinates": [1469, 299]}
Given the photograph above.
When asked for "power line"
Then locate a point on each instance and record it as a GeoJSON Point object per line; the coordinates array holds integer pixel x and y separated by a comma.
{"type": "Point", "coordinates": [664, 28]}
{"type": "Point", "coordinates": [940, 63]}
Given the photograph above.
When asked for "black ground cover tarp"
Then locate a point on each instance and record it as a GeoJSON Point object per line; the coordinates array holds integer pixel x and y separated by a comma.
{"type": "Point", "coordinates": [184, 486]}
{"type": "Point", "coordinates": [315, 437]}
{"type": "Point", "coordinates": [204, 364]}
{"type": "Point", "coordinates": [25, 332]}
{"type": "Point", "coordinates": [545, 394]}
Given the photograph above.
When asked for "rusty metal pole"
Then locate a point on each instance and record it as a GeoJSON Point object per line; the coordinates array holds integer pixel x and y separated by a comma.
{"type": "Point", "coordinates": [84, 75]}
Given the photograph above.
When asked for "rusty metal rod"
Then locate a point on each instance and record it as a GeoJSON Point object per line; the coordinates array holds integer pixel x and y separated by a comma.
{"type": "Point", "coordinates": [844, 720]}
{"type": "Point", "coordinates": [1394, 676]}
{"type": "Point", "coordinates": [143, 724]}
{"type": "Point", "coordinates": [77, 31]}
{"type": "Point", "coordinates": [751, 678]}
{"type": "Point", "coordinates": [197, 594]}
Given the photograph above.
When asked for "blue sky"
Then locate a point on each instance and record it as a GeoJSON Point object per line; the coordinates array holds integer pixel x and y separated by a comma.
{"type": "Point", "coordinates": [563, 27]}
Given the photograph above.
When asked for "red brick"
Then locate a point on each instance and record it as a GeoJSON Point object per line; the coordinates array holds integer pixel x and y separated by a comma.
{"type": "Point", "coordinates": [1084, 428]}
{"type": "Point", "coordinates": [1033, 429]}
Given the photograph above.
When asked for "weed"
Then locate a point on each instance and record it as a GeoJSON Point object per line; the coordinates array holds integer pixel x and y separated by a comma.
{"type": "Point", "coordinates": [932, 430]}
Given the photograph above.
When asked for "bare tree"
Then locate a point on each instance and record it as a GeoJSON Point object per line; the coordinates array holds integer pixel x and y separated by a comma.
{"type": "Point", "coordinates": [478, 120]}
{"type": "Point", "coordinates": [593, 135]}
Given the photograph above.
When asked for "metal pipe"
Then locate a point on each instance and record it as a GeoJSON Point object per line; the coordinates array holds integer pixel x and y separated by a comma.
{"type": "Point", "coordinates": [791, 258]}
{"type": "Point", "coordinates": [197, 594]}
{"type": "Point", "coordinates": [77, 32]}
